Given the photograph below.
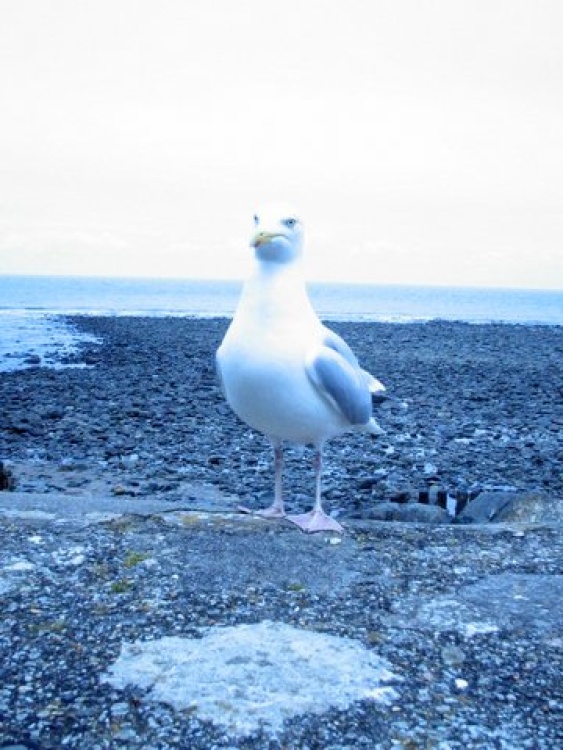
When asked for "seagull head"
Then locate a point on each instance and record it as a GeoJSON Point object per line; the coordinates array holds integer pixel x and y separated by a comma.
{"type": "Point", "coordinates": [277, 236]}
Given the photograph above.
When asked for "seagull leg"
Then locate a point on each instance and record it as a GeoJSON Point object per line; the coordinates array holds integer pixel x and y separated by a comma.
{"type": "Point", "coordinates": [276, 509]}
{"type": "Point", "coordinates": [316, 519]}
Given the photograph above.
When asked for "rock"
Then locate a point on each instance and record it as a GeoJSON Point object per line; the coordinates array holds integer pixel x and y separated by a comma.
{"type": "Point", "coordinates": [367, 483]}
{"type": "Point", "coordinates": [512, 506]}
{"type": "Point", "coordinates": [409, 513]}
{"type": "Point", "coordinates": [7, 481]}
{"type": "Point", "coordinates": [401, 496]}
{"type": "Point", "coordinates": [452, 655]}
{"type": "Point", "coordinates": [531, 507]}
{"type": "Point", "coordinates": [485, 507]}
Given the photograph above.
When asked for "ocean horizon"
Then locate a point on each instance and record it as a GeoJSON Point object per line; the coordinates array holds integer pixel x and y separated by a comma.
{"type": "Point", "coordinates": [88, 295]}
{"type": "Point", "coordinates": [32, 308]}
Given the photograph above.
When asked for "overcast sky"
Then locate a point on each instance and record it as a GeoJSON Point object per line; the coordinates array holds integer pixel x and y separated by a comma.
{"type": "Point", "coordinates": [421, 141]}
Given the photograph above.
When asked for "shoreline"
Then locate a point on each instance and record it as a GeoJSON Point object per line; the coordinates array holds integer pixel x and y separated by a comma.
{"type": "Point", "coordinates": [44, 338]}
{"type": "Point", "coordinates": [482, 414]}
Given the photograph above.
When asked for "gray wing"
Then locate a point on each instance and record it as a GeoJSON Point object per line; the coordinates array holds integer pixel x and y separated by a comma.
{"type": "Point", "coordinates": [335, 342]}
{"type": "Point", "coordinates": [341, 382]}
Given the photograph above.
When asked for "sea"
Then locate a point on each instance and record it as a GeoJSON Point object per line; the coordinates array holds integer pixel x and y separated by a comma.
{"type": "Point", "coordinates": [32, 308]}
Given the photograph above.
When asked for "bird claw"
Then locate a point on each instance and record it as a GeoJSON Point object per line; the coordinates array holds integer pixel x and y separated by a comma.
{"type": "Point", "coordinates": [316, 520]}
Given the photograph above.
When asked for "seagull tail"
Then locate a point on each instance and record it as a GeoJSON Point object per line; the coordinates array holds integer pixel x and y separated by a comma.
{"type": "Point", "coordinates": [375, 386]}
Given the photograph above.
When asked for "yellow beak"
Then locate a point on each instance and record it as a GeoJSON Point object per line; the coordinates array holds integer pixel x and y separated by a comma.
{"type": "Point", "coordinates": [261, 238]}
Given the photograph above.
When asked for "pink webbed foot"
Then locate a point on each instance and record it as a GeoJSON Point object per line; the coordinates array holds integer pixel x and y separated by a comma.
{"type": "Point", "coordinates": [316, 520]}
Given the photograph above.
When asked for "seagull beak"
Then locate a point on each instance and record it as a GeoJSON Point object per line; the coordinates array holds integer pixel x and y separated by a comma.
{"type": "Point", "coordinates": [262, 238]}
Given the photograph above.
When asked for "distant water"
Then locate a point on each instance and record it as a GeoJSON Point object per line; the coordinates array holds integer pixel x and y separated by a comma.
{"type": "Point", "coordinates": [157, 297]}
{"type": "Point", "coordinates": [31, 305]}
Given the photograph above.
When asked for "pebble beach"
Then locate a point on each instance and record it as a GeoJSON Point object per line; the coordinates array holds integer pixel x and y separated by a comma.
{"type": "Point", "coordinates": [475, 407]}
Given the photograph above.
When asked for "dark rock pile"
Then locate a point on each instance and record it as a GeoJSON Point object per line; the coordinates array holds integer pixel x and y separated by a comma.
{"type": "Point", "coordinates": [479, 409]}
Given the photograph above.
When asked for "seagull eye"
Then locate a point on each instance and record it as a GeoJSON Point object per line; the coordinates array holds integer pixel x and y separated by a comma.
{"type": "Point", "coordinates": [256, 219]}
{"type": "Point", "coordinates": [290, 223]}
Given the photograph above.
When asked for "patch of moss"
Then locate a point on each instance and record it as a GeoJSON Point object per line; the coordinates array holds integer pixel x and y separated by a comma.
{"type": "Point", "coordinates": [121, 586]}
{"type": "Point", "coordinates": [134, 558]}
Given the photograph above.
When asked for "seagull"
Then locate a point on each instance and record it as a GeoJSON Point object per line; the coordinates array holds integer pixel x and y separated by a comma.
{"type": "Point", "coordinates": [282, 371]}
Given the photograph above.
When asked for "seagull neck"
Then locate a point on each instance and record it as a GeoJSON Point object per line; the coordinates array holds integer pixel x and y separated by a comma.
{"type": "Point", "coordinates": [267, 270]}
{"type": "Point", "coordinates": [279, 287]}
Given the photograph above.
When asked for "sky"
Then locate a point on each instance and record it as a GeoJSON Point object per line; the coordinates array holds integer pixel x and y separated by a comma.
{"type": "Point", "coordinates": [420, 141]}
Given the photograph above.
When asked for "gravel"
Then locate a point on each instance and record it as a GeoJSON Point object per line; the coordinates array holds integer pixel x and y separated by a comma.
{"type": "Point", "coordinates": [466, 617]}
